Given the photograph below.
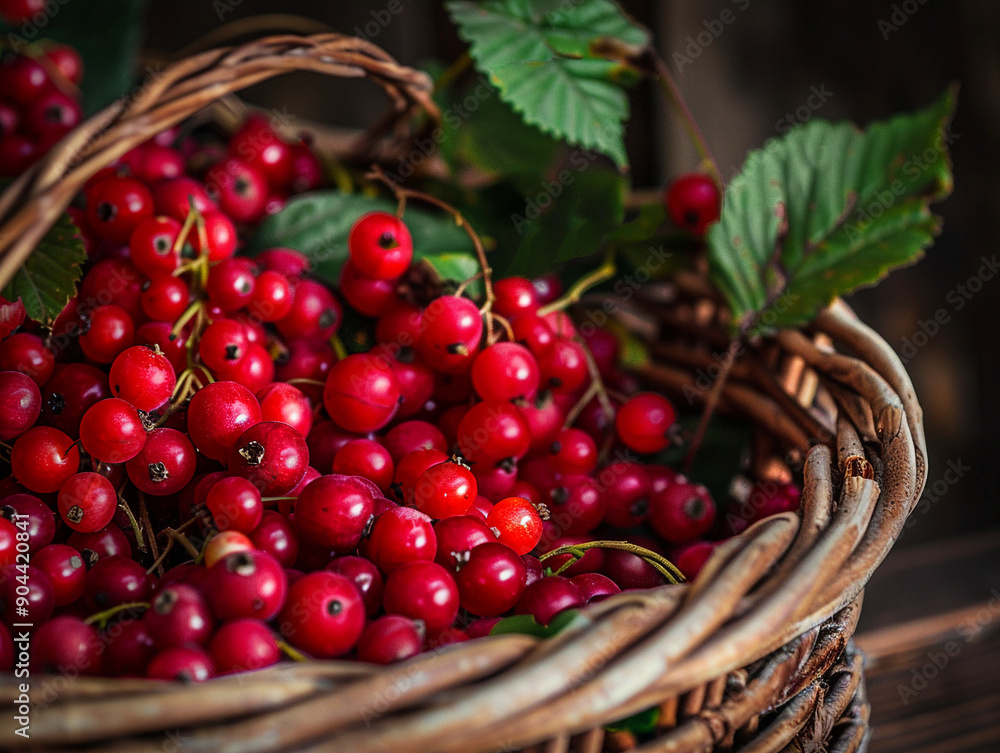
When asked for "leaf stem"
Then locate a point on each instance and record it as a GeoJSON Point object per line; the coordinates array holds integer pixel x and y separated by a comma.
{"type": "Point", "coordinates": [711, 402]}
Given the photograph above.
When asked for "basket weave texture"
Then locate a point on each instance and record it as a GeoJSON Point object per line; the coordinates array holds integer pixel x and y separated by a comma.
{"type": "Point", "coordinates": [754, 655]}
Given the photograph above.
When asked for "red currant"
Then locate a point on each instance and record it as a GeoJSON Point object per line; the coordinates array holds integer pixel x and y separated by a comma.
{"type": "Point", "coordinates": [644, 422]}
{"type": "Point", "coordinates": [324, 615]}
{"type": "Point", "coordinates": [505, 371]}
{"type": "Point", "coordinates": [445, 489]}
{"type": "Point", "coordinates": [143, 377]}
{"type": "Point", "coordinates": [43, 458]}
{"type": "Point", "coordinates": [517, 523]}
{"type": "Point", "coordinates": [682, 512]}
{"type": "Point", "coordinates": [401, 535]}
{"type": "Point", "coordinates": [334, 511]}
{"type": "Point", "coordinates": [108, 331]}
{"type": "Point", "coordinates": [87, 502]}
{"type": "Point", "coordinates": [693, 202]}
{"type": "Point", "coordinates": [112, 430]}
{"type": "Point", "coordinates": [492, 580]}
{"type": "Point", "coordinates": [218, 414]}
{"type": "Point", "coordinates": [380, 245]}
{"type": "Point", "coordinates": [361, 393]}
{"type": "Point", "coordinates": [116, 205]}
{"type": "Point", "coordinates": [246, 584]}
{"type": "Point", "coordinates": [165, 464]}
{"type": "Point", "coordinates": [423, 591]}
{"type": "Point", "coordinates": [20, 404]}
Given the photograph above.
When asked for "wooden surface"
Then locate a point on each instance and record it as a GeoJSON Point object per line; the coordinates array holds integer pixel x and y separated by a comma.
{"type": "Point", "coordinates": [931, 630]}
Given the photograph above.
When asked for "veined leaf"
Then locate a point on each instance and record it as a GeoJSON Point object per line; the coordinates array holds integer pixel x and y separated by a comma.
{"type": "Point", "coordinates": [827, 209]}
{"type": "Point", "coordinates": [571, 225]}
{"type": "Point", "coordinates": [539, 55]}
{"type": "Point", "coordinates": [49, 276]}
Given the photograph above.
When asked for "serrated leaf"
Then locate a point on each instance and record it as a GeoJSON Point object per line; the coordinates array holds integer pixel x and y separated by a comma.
{"type": "Point", "coordinates": [526, 624]}
{"type": "Point", "coordinates": [539, 55]}
{"type": "Point", "coordinates": [827, 209]}
{"type": "Point", "coordinates": [318, 224]}
{"type": "Point", "coordinates": [49, 276]}
{"type": "Point", "coordinates": [572, 225]}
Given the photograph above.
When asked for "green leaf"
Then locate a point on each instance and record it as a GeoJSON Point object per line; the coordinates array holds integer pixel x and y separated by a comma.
{"type": "Point", "coordinates": [643, 226]}
{"type": "Point", "coordinates": [827, 209]}
{"type": "Point", "coordinates": [49, 276]}
{"type": "Point", "coordinates": [317, 224]}
{"type": "Point", "coordinates": [106, 33]}
{"type": "Point", "coordinates": [572, 225]}
{"type": "Point", "coordinates": [540, 56]}
{"type": "Point", "coordinates": [525, 623]}
{"type": "Point", "coordinates": [640, 724]}
{"type": "Point", "coordinates": [482, 131]}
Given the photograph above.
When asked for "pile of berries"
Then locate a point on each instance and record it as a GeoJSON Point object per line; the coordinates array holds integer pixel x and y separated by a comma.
{"type": "Point", "coordinates": [203, 480]}
{"type": "Point", "coordinates": [39, 103]}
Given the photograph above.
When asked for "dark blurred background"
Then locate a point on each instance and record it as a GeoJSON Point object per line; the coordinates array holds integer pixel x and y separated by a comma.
{"type": "Point", "coordinates": [775, 64]}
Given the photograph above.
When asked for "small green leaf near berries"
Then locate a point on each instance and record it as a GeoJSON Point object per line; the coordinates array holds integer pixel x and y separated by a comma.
{"type": "Point", "coordinates": [318, 224]}
{"type": "Point", "coordinates": [827, 209]}
{"type": "Point", "coordinates": [48, 278]}
{"type": "Point", "coordinates": [526, 624]}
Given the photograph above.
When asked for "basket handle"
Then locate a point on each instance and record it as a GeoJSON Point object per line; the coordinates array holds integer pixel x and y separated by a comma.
{"type": "Point", "coordinates": [33, 202]}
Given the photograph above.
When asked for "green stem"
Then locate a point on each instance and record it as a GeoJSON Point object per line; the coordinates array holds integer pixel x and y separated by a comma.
{"type": "Point", "coordinates": [710, 404]}
{"type": "Point", "coordinates": [604, 272]}
{"type": "Point", "coordinates": [292, 653]}
{"type": "Point", "coordinates": [664, 566]}
{"type": "Point", "coordinates": [101, 618]}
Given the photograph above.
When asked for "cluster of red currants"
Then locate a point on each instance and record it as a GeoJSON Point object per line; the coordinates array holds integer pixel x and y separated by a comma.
{"type": "Point", "coordinates": [199, 483]}
{"type": "Point", "coordinates": [39, 103]}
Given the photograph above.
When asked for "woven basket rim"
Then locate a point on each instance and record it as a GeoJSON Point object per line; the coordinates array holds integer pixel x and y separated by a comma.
{"type": "Point", "coordinates": [761, 591]}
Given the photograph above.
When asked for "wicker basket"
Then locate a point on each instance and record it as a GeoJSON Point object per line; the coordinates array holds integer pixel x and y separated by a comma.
{"type": "Point", "coordinates": [754, 655]}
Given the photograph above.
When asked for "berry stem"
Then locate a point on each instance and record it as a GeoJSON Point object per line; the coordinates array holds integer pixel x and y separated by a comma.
{"type": "Point", "coordinates": [401, 196]}
{"type": "Point", "coordinates": [148, 527]}
{"type": "Point", "coordinates": [648, 61]}
{"type": "Point", "coordinates": [306, 380]}
{"type": "Point", "coordinates": [711, 402]}
{"type": "Point", "coordinates": [453, 71]}
{"type": "Point", "coordinates": [664, 566]}
{"type": "Point", "coordinates": [291, 653]}
{"type": "Point", "coordinates": [136, 528]}
{"type": "Point", "coordinates": [101, 619]}
{"type": "Point", "coordinates": [596, 384]}
{"type": "Point", "coordinates": [604, 272]}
